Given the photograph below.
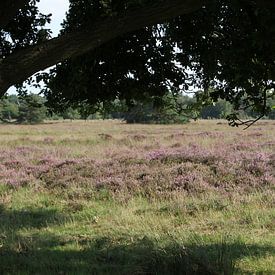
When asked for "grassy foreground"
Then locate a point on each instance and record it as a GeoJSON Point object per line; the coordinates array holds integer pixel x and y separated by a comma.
{"type": "Point", "coordinates": [109, 198]}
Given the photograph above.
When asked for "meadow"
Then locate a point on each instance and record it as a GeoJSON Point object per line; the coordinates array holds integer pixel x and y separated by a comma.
{"type": "Point", "coordinates": [105, 197]}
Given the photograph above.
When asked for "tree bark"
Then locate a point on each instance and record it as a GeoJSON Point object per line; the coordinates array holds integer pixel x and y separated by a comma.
{"type": "Point", "coordinates": [20, 65]}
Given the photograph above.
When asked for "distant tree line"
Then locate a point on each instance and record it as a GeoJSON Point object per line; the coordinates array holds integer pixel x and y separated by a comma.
{"type": "Point", "coordinates": [32, 109]}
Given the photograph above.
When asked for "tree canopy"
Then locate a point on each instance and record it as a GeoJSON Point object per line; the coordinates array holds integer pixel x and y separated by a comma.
{"type": "Point", "coordinates": [138, 49]}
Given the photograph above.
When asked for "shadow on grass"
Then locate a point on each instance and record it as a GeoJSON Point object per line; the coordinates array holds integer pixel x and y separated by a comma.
{"type": "Point", "coordinates": [14, 220]}
{"type": "Point", "coordinates": [49, 253]}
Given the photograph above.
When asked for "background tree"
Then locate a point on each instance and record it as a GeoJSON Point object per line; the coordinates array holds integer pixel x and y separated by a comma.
{"type": "Point", "coordinates": [9, 108]}
{"type": "Point", "coordinates": [32, 110]}
{"type": "Point", "coordinates": [167, 109]}
{"type": "Point", "coordinates": [220, 109]}
{"type": "Point", "coordinates": [70, 113]}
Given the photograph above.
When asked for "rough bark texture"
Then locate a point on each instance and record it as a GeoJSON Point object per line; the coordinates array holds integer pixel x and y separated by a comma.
{"type": "Point", "coordinates": [19, 66]}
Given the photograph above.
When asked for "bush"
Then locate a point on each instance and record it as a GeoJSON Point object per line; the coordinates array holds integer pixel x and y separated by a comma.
{"type": "Point", "coordinates": [32, 110]}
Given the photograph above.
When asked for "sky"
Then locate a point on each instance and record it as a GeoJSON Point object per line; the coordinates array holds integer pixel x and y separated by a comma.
{"type": "Point", "coordinates": [58, 10]}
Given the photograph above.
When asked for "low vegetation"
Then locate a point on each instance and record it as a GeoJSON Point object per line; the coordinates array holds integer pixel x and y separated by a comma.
{"type": "Point", "coordinates": [105, 197]}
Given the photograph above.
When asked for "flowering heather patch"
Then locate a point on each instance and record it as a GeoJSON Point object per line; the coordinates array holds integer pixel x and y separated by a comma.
{"type": "Point", "coordinates": [227, 167]}
{"type": "Point", "coordinates": [23, 165]}
{"type": "Point", "coordinates": [270, 144]}
{"type": "Point", "coordinates": [192, 153]}
{"type": "Point", "coordinates": [15, 177]}
{"type": "Point", "coordinates": [192, 161]}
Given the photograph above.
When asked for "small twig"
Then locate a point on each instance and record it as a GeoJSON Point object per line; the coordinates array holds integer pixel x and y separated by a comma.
{"type": "Point", "coordinates": [248, 123]}
{"type": "Point", "coordinates": [251, 122]}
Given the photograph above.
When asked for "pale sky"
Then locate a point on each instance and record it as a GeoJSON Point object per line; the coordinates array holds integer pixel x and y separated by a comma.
{"type": "Point", "coordinates": [57, 8]}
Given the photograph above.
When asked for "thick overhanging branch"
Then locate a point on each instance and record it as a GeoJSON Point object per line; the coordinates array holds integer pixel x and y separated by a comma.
{"type": "Point", "coordinates": [20, 65]}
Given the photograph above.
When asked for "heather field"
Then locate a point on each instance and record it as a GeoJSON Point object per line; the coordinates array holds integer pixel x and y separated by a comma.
{"type": "Point", "coordinates": [104, 197]}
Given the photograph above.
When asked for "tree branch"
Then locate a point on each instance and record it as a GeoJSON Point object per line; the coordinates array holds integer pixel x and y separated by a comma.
{"type": "Point", "coordinates": [22, 64]}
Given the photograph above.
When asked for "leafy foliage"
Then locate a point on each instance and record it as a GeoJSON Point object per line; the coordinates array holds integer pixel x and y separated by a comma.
{"type": "Point", "coordinates": [226, 44]}
{"type": "Point", "coordinates": [225, 49]}
{"type": "Point", "coordinates": [164, 112]}
{"type": "Point", "coordinates": [219, 110]}
{"type": "Point", "coordinates": [29, 110]}
{"type": "Point", "coordinates": [9, 108]}
{"type": "Point", "coordinates": [129, 69]}
{"type": "Point", "coordinates": [32, 110]}
{"type": "Point", "coordinates": [229, 45]}
{"type": "Point", "coordinates": [26, 28]}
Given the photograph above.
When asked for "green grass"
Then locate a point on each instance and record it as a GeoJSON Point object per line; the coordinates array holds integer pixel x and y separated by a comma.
{"type": "Point", "coordinates": [80, 229]}
{"type": "Point", "coordinates": [46, 232]}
